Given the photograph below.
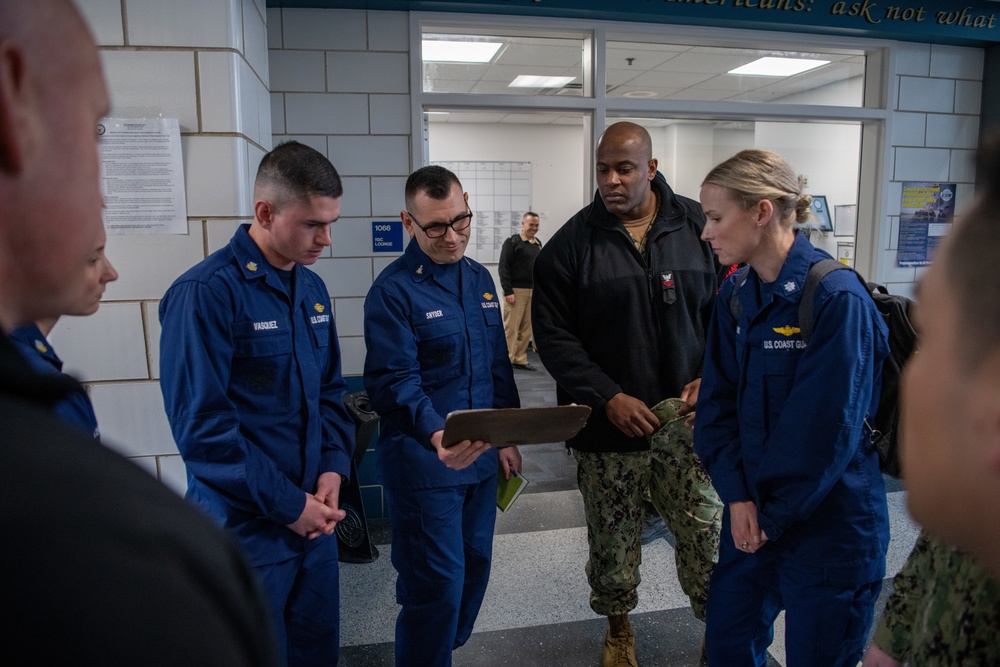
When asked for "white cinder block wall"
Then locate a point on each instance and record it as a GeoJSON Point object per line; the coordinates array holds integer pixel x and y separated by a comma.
{"type": "Point", "coordinates": [205, 63]}
{"type": "Point", "coordinates": [934, 133]}
{"type": "Point", "coordinates": [340, 83]}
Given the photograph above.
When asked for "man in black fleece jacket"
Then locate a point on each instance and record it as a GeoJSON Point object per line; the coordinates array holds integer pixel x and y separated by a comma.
{"type": "Point", "coordinates": [623, 294]}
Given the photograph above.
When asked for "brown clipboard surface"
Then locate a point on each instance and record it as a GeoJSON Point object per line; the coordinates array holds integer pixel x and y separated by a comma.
{"type": "Point", "coordinates": [502, 427]}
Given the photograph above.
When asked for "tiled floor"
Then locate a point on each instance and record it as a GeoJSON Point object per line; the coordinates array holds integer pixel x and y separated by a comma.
{"type": "Point", "coordinates": [536, 611]}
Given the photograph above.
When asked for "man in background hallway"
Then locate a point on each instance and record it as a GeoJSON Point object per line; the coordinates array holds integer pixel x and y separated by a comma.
{"type": "Point", "coordinates": [102, 563]}
{"type": "Point", "coordinates": [517, 257]}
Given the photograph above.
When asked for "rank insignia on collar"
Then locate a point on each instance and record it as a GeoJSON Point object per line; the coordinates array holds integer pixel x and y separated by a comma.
{"type": "Point", "coordinates": [319, 307]}
{"type": "Point", "coordinates": [252, 266]}
{"type": "Point", "coordinates": [487, 296]}
{"type": "Point", "coordinates": [40, 346]}
{"type": "Point", "coordinates": [420, 270]}
{"type": "Point", "coordinates": [790, 286]}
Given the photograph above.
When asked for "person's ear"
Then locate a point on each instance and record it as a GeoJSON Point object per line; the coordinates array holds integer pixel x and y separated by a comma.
{"type": "Point", "coordinates": [763, 212]}
{"type": "Point", "coordinates": [408, 223]}
{"type": "Point", "coordinates": [18, 110]}
{"type": "Point", "coordinates": [263, 212]}
{"type": "Point", "coordinates": [653, 163]}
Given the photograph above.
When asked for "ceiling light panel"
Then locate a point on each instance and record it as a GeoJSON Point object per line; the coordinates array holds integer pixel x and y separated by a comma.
{"type": "Point", "coordinates": [448, 51]}
{"type": "Point", "coordinates": [531, 81]}
{"type": "Point", "coordinates": [771, 66]}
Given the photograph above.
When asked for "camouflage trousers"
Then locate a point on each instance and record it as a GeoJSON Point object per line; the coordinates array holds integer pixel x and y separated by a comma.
{"type": "Point", "coordinates": [614, 486]}
{"type": "Point", "coordinates": [944, 609]}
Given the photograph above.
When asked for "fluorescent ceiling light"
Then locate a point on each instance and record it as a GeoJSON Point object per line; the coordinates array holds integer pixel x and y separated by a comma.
{"type": "Point", "coordinates": [778, 66]}
{"type": "Point", "coordinates": [529, 81]}
{"type": "Point", "coordinates": [445, 51]}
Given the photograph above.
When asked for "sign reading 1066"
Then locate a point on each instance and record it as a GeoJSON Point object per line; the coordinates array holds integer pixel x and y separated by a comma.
{"type": "Point", "coordinates": [387, 236]}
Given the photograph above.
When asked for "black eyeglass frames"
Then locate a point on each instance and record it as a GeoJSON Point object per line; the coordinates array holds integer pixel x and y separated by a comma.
{"type": "Point", "coordinates": [436, 230]}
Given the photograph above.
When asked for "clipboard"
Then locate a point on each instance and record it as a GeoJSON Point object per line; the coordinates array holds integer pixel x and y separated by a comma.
{"type": "Point", "coordinates": [503, 427]}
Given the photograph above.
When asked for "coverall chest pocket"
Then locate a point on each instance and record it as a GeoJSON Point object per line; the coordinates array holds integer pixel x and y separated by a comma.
{"type": "Point", "coordinates": [261, 370]}
{"type": "Point", "coordinates": [321, 337]}
{"type": "Point", "coordinates": [440, 348]}
{"type": "Point", "coordinates": [492, 317]}
{"type": "Point", "coordinates": [779, 368]}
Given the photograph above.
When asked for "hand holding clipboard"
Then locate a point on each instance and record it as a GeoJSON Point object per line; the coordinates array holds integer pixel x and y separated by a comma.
{"type": "Point", "coordinates": [503, 427]}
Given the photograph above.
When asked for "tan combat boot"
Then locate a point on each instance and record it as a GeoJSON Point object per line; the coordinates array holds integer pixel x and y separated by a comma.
{"type": "Point", "coordinates": [619, 645]}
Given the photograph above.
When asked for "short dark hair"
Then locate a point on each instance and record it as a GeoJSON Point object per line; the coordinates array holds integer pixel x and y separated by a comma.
{"type": "Point", "coordinates": [294, 171]}
{"type": "Point", "coordinates": [970, 256]}
{"type": "Point", "coordinates": [434, 181]}
{"type": "Point", "coordinates": [531, 213]}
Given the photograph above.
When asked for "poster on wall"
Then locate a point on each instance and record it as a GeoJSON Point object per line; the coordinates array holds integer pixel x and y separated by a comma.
{"type": "Point", "coordinates": [499, 195]}
{"type": "Point", "coordinates": [925, 216]}
{"type": "Point", "coordinates": [142, 176]}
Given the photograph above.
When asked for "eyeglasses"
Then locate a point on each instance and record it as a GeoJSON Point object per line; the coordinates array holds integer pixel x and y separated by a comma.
{"type": "Point", "coordinates": [436, 230]}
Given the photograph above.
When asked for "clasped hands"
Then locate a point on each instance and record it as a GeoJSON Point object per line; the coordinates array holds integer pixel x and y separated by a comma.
{"type": "Point", "coordinates": [322, 512]}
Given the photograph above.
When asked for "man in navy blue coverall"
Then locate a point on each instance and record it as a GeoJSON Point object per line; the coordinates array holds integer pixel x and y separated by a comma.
{"type": "Point", "coordinates": [436, 343]}
{"type": "Point", "coordinates": [250, 373]}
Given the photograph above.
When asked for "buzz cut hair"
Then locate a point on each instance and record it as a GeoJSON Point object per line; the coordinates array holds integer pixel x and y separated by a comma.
{"type": "Point", "coordinates": [434, 181]}
{"type": "Point", "coordinates": [294, 173]}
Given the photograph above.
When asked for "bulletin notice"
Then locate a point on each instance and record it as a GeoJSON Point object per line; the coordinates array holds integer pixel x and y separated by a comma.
{"type": "Point", "coordinates": [142, 176]}
{"type": "Point", "coordinates": [925, 216]}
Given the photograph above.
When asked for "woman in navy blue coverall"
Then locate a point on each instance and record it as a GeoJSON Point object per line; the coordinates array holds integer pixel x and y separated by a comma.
{"type": "Point", "coordinates": [780, 428]}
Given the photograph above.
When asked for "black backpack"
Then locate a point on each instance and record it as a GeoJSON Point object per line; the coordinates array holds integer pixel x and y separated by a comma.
{"type": "Point", "coordinates": [895, 310]}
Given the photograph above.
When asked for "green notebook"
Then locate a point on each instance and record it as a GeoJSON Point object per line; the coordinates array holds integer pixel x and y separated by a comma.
{"type": "Point", "coordinates": [509, 489]}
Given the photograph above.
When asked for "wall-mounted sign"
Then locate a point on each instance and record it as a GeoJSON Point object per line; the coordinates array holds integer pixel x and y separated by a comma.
{"type": "Point", "coordinates": [142, 176]}
{"type": "Point", "coordinates": [965, 22]}
{"type": "Point", "coordinates": [387, 236]}
{"type": "Point", "coordinates": [925, 217]}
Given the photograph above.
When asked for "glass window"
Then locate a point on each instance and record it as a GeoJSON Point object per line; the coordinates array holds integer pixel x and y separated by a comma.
{"type": "Point", "coordinates": [714, 74]}
{"type": "Point", "coordinates": [501, 64]}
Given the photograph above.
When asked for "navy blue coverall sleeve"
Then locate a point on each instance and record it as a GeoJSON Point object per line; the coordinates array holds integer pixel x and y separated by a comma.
{"type": "Point", "coordinates": [197, 351]}
{"type": "Point", "coordinates": [392, 371]}
{"type": "Point", "coordinates": [338, 425]}
{"type": "Point", "coordinates": [717, 430]}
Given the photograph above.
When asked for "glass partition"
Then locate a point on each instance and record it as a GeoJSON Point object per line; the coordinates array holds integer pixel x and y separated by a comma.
{"type": "Point", "coordinates": [454, 62]}
{"type": "Point", "coordinates": [714, 74]}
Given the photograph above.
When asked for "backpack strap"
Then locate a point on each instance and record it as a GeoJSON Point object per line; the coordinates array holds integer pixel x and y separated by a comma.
{"type": "Point", "coordinates": [817, 272]}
